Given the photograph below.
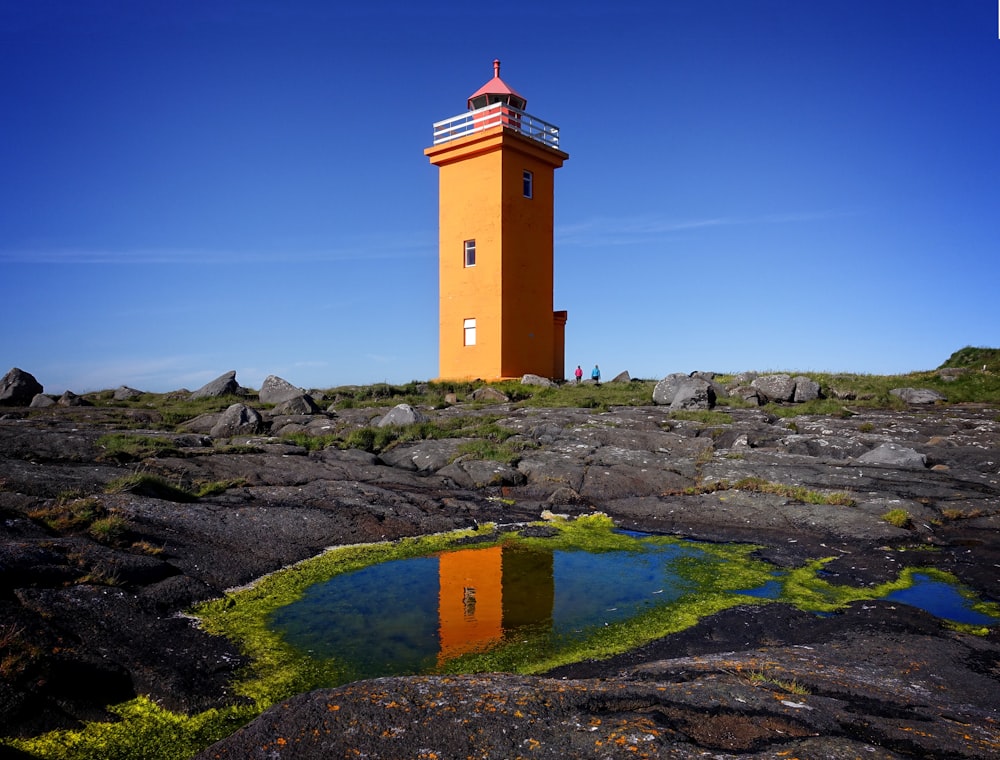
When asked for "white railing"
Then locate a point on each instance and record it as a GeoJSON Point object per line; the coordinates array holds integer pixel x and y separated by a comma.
{"type": "Point", "coordinates": [496, 115]}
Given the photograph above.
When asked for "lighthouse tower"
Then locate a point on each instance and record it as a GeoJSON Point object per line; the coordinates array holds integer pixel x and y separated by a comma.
{"type": "Point", "coordinates": [496, 197]}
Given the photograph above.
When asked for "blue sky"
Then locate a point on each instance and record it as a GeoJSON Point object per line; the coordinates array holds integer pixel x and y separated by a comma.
{"type": "Point", "coordinates": [194, 186]}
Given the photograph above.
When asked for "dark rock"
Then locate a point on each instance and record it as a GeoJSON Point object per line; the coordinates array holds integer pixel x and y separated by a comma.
{"type": "Point", "coordinates": [806, 389]}
{"type": "Point", "coordinates": [477, 473]}
{"type": "Point", "coordinates": [743, 378]}
{"type": "Point", "coordinates": [124, 393]}
{"type": "Point", "coordinates": [918, 395]}
{"type": "Point", "coordinates": [679, 391]}
{"type": "Point", "coordinates": [893, 455]}
{"type": "Point", "coordinates": [238, 419]}
{"type": "Point", "coordinates": [775, 387]}
{"type": "Point", "coordinates": [695, 394]}
{"type": "Point", "coordinates": [747, 393]}
{"type": "Point", "coordinates": [688, 691]}
{"type": "Point", "coordinates": [18, 388]}
{"type": "Point", "coordinates": [530, 379]}
{"type": "Point", "coordinates": [303, 404]}
{"type": "Point", "coordinates": [666, 389]}
{"type": "Point", "coordinates": [71, 399]}
{"type": "Point", "coordinates": [490, 394]}
{"type": "Point", "coordinates": [275, 390]}
{"type": "Point", "coordinates": [223, 385]}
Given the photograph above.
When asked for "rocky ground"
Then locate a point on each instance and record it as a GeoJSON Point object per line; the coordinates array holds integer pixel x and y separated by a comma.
{"type": "Point", "coordinates": [87, 623]}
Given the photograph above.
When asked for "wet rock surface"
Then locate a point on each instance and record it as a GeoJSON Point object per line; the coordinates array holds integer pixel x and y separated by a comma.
{"type": "Point", "coordinates": [90, 620]}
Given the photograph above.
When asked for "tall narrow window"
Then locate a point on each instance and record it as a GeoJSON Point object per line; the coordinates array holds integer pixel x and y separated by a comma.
{"type": "Point", "coordinates": [529, 184]}
{"type": "Point", "coordinates": [470, 253]}
{"type": "Point", "coordinates": [470, 332]}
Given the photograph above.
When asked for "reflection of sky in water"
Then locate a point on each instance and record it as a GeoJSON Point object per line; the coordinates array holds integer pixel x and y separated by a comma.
{"type": "Point", "coordinates": [939, 599]}
{"type": "Point", "coordinates": [384, 619]}
{"type": "Point", "coordinates": [593, 589]}
{"type": "Point", "coordinates": [936, 597]}
{"type": "Point", "coordinates": [381, 619]}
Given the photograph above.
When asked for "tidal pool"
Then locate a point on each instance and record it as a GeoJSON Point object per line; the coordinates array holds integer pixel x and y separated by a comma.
{"type": "Point", "coordinates": [521, 603]}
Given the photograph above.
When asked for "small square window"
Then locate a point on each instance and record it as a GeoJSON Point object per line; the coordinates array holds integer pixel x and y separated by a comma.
{"type": "Point", "coordinates": [470, 253]}
{"type": "Point", "coordinates": [470, 332]}
{"type": "Point", "coordinates": [529, 184]}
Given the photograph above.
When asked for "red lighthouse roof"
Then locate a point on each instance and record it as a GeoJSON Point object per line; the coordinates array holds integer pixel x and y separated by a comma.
{"type": "Point", "coordinates": [496, 91]}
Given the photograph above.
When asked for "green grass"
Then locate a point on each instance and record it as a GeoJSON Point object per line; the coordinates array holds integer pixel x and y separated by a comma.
{"type": "Point", "coordinates": [69, 515]}
{"type": "Point", "coordinates": [759, 485]}
{"type": "Point", "coordinates": [706, 416]}
{"type": "Point", "coordinates": [129, 447]}
{"type": "Point", "coordinates": [149, 485]}
{"type": "Point", "coordinates": [975, 359]}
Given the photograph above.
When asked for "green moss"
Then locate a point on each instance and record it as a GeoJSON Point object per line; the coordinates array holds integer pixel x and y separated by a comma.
{"type": "Point", "coordinates": [144, 731]}
{"type": "Point", "coordinates": [279, 670]}
{"type": "Point", "coordinates": [898, 517]}
{"type": "Point", "coordinates": [715, 575]}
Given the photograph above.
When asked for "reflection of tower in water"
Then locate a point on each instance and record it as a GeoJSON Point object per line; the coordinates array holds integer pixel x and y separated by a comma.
{"type": "Point", "coordinates": [487, 594]}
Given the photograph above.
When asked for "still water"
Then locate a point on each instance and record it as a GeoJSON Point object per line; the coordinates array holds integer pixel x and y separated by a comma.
{"type": "Point", "coordinates": [416, 615]}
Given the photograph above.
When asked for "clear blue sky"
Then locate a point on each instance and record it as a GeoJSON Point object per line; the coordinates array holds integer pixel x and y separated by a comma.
{"type": "Point", "coordinates": [193, 186]}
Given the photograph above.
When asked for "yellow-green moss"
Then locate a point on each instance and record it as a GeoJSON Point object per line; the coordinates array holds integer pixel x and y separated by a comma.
{"type": "Point", "coordinates": [278, 671]}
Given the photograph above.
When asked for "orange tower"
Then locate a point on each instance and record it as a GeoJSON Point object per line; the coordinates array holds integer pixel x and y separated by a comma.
{"type": "Point", "coordinates": [496, 201]}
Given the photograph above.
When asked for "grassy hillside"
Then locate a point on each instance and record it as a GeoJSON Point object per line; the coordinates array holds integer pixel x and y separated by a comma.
{"type": "Point", "coordinates": [974, 358]}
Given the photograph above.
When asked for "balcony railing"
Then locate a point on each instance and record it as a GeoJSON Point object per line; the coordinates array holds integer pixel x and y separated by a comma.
{"type": "Point", "coordinates": [496, 115]}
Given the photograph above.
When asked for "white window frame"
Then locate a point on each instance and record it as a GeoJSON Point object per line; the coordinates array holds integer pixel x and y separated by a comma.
{"type": "Point", "coordinates": [470, 253]}
{"type": "Point", "coordinates": [528, 184]}
{"type": "Point", "coordinates": [469, 332]}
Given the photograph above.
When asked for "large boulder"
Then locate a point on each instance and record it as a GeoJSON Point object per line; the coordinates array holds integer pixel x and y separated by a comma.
{"type": "Point", "coordinates": [274, 390]}
{"type": "Point", "coordinates": [238, 419]}
{"type": "Point", "coordinates": [667, 388]}
{"type": "Point", "coordinates": [489, 394]}
{"type": "Point", "coordinates": [18, 388]}
{"type": "Point", "coordinates": [806, 389]}
{"type": "Point", "coordinates": [694, 394]}
{"type": "Point", "coordinates": [918, 395]}
{"type": "Point", "coordinates": [893, 455]}
{"type": "Point", "coordinates": [530, 379]}
{"type": "Point", "coordinates": [775, 387]}
{"type": "Point", "coordinates": [402, 414]}
{"type": "Point", "coordinates": [300, 404]}
{"type": "Point", "coordinates": [223, 385]}
{"type": "Point", "coordinates": [680, 391]}
{"type": "Point", "coordinates": [124, 393]}
{"type": "Point", "coordinates": [622, 377]}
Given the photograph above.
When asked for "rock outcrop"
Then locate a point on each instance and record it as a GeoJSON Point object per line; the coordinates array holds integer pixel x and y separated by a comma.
{"type": "Point", "coordinates": [223, 385]}
{"type": "Point", "coordinates": [276, 390]}
{"type": "Point", "coordinates": [18, 388]}
{"type": "Point", "coordinates": [91, 623]}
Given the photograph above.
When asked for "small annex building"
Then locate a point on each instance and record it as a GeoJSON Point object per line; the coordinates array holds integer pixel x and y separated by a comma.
{"type": "Point", "coordinates": [496, 203]}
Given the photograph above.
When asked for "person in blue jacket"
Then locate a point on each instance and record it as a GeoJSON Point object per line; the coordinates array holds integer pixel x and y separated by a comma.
{"type": "Point", "coordinates": [595, 375]}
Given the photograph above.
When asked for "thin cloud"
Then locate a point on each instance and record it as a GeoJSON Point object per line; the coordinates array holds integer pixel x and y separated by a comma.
{"type": "Point", "coordinates": [417, 245]}
{"type": "Point", "coordinates": [604, 231]}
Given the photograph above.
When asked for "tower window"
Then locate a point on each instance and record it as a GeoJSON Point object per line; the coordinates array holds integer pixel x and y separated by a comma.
{"type": "Point", "coordinates": [470, 253]}
{"type": "Point", "coordinates": [529, 184]}
{"type": "Point", "coordinates": [470, 332]}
